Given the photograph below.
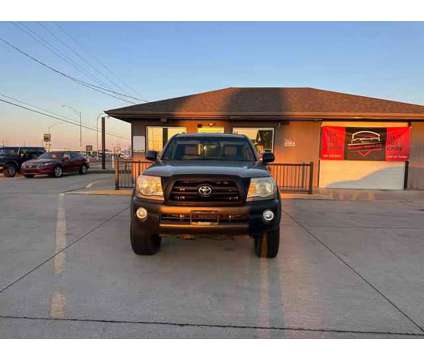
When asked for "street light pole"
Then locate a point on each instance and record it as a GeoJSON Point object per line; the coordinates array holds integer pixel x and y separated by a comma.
{"type": "Point", "coordinates": [80, 120]}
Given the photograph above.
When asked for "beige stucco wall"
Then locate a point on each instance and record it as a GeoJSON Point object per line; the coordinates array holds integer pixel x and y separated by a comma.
{"type": "Point", "coordinates": [416, 160]}
{"type": "Point", "coordinates": [298, 142]}
{"type": "Point", "coordinates": [388, 175]}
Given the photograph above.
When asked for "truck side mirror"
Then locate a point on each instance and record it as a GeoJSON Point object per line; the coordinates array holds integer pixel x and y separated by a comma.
{"type": "Point", "coordinates": [151, 155]}
{"type": "Point", "coordinates": [267, 157]}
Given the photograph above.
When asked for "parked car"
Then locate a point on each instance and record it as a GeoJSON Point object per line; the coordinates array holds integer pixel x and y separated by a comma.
{"type": "Point", "coordinates": [56, 163]}
{"type": "Point", "coordinates": [206, 183]}
{"type": "Point", "coordinates": [12, 158]}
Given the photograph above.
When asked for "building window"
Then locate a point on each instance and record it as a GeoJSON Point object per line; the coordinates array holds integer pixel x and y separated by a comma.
{"type": "Point", "coordinates": [157, 136]}
{"type": "Point", "coordinates": [211, 129]}
{"type": "Point", "coordinates": [262, 138]}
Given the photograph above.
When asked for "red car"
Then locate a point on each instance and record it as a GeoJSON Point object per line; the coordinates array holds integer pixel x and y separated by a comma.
{"type": "Point", "coordinates": [55, 163]}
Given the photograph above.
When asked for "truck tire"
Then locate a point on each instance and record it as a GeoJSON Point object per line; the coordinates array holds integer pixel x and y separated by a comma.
{"type": "Point", "coordinates": [10, 170]}
{"type": "Point", "coordinates": [144, 243]}
{"type": "Point", "coordinates": [267, 244]}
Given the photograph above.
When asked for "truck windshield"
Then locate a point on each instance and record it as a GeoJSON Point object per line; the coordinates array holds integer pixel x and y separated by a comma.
{"type": "Point", "coordinates": [210, 148]}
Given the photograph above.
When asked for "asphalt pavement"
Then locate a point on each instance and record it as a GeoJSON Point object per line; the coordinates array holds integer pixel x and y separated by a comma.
{"type": "Point", "coordinates": [345, 269]}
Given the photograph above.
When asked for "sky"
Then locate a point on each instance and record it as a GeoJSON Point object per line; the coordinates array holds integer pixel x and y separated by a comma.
{"type": "Point", "coordinates": [157, 60]}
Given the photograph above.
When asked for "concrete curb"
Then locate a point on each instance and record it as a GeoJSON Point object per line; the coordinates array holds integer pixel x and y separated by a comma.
{"type": "Point", "coordinates": [101, 171]}
{"type": "Point", "coordinates": [306, 197]}
{"type": "Point", "coordinates": [103, 192]}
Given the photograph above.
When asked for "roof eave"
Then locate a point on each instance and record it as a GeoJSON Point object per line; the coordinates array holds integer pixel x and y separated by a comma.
{"type": "Point", "coordinates": [129, 117]}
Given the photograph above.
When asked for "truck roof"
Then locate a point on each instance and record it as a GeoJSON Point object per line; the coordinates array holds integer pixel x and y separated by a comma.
{"type": "Point", "coordinates": [212, 135]}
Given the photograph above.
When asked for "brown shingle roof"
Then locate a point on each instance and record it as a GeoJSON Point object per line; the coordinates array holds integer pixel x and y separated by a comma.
{"type": "Point", "coordinates": [279, 103]}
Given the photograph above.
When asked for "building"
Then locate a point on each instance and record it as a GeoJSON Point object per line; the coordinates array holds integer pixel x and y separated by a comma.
{"type": "Point", "coordinates": [354, 141]}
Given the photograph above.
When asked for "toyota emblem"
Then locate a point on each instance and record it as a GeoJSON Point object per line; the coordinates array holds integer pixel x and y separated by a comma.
{"type": "Point", "coordinates": [205, 190]}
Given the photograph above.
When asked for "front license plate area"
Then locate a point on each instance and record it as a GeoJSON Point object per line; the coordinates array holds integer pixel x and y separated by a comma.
{"type": "Point", "coordinates": [204, 218]}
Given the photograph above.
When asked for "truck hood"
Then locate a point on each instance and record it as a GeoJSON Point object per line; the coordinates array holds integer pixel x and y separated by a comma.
{"type": "Point", "coordinates": [242, 169]}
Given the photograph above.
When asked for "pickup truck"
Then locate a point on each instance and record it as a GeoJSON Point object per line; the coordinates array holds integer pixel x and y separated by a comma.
{"type": "Point", "coordinates": [12, 158]}
{"type": "Point", "coordinates": [206, 184]}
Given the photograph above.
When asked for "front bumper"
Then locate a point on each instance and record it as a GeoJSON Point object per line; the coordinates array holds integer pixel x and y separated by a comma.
{"type": "Point", "coordinates": [37, 171]}
{"type": "Point", "coordinates": [245, 219]}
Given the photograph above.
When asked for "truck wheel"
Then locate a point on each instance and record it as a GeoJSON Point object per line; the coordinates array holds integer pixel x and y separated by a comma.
{"type": "Point", "coordinates": [144, 243]}
{"type": "Point", "coordinates": [83, 169]}
{"type": "Point", "coordinates": [267, 244]}
{"type": "Point", "coordinates": [57, 172]}
{"type": "Point", "coordinates": [10, 170]}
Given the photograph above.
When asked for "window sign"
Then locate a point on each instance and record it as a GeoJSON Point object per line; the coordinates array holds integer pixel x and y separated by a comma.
{"type": "Point", "coordinates": [359, 143]}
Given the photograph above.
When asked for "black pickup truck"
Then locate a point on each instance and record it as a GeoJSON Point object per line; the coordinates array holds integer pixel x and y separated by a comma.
{"type": "Point", "coordinates": [12, 158]}
{"type": "Point", "coordinates": [206, 183]}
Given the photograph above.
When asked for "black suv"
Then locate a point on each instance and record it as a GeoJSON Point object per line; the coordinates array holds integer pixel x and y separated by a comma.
{"type": "Point", "coordinates": [206, 183]}
{"type": "Point", "coordinates": [11, 158]}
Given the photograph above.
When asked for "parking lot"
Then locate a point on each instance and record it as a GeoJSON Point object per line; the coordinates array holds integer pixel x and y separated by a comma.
{"type": "Point", "coordinates": [345, 269]}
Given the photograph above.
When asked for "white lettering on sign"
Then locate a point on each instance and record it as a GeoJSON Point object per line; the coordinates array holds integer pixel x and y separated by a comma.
{"type": "Point", "coordinates": [288, 142]}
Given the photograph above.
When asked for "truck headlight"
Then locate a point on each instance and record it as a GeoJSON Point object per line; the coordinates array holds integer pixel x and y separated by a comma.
{"type": "Point", "coordinates": [261, 189]}
{"type": "Point", "coordinates": [149, 187]}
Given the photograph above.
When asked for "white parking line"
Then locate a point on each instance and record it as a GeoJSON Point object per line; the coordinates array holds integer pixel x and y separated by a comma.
{"type": "Point", "coordinates": [59, 260]}
{"type": "Point", "coordinates": [57, 305]}
{"type": "Point", "coordinates": [57, 300]}
{"type": "Point", "coordinates": [96, 182]}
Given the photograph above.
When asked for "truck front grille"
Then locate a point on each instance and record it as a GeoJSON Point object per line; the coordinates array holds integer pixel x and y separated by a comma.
{"type": "Point", "coordinates": [205, 191]}
{"type": "Point", "coordinates": [199, 218]}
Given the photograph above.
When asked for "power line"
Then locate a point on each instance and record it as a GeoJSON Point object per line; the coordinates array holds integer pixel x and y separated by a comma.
{"type": "Point", "coordinates": [78, 81]}
{"type": "Point", "coordinates": [82, 58]}
{"type": "Point", "coordinates": [27, 30]}
{"type": "Point", "coordinates": [57, 118]}
{"type": "Point", "coordinates": [95, 58]}
{"type": "Point", "coordinates": [35, 107]}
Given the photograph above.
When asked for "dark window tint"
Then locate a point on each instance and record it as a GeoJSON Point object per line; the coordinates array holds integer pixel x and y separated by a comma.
{"type": "Point", "coordinates": [75, 155]}
{"type": "Point", "coordinates": [9, 151]}
{"type": "Point", "coordinates": [52, 155]}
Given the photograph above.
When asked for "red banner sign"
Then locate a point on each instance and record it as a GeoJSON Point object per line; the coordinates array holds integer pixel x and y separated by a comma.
{"type": "Point", "coordinates": [359, 143]}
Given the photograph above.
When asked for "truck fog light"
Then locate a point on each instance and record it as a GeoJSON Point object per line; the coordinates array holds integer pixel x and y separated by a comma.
{"type": "Point", "coordinates": [141, 213]}
{"type": "Point", "coordinates": [268, 215]}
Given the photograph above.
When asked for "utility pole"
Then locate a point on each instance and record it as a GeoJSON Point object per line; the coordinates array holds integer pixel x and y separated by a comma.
{"type": "Point", "coordinates": [103, 142]}
{"type": "Point", "coordinates": [97, 135]}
